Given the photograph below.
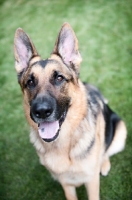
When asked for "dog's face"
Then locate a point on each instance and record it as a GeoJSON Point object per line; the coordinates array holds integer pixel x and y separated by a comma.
{"type": "Point", "coordinates": [45, 83]}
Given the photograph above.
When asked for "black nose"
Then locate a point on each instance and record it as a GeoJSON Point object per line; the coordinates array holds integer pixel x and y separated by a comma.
{"type": "Point", "coordinates": [42, 110]}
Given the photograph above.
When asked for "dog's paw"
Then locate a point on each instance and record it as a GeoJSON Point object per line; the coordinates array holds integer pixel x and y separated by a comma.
{"type": "Point", "coordinates": [105, 167]}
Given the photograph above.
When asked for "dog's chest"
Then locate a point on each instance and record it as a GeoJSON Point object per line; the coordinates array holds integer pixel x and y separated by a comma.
{"type": "Point", "coordinates": [66, 169]}
{"type": "Point", "coordinates": [66, 164]}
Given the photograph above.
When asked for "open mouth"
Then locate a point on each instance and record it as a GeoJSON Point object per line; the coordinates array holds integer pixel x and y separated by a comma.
{"type": "Point", "coordinates": [49, 131]}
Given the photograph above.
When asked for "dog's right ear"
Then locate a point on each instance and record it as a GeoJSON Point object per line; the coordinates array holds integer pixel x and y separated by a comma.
{"type": "Point", "coordinates": [24, 50]}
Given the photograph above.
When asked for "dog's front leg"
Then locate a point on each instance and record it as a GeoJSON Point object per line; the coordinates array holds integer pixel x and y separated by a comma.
{"type": "Point", "coordinates": [92, 187]}
{"type": "Point", "coordinates": [70, 192]}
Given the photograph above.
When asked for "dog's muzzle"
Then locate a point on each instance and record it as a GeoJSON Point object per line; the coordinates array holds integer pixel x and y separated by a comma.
{"type": "Point", "coordinates": [44, 112]}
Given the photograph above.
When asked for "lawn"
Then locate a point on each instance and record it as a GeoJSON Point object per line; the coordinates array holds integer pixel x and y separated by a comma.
{"type": "Point", "coordinates": [104, 31]}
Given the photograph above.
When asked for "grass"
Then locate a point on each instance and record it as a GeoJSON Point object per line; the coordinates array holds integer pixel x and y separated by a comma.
{"type": "Point", "coordinates": [104, 30]}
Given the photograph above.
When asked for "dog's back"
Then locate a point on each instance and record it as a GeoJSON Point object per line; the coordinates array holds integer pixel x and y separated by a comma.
{"type": "Point", "coordinates": [115, 130]}
{"type": "Point", "coordinates": [112, 120]}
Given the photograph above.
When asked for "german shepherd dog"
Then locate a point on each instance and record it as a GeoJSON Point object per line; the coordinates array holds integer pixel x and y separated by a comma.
{"type": "Point", "coordinates": [72, 127]}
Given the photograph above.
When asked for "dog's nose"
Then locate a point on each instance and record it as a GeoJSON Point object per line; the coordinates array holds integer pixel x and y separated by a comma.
{"type": "Point", "coordinates": [42, 111]}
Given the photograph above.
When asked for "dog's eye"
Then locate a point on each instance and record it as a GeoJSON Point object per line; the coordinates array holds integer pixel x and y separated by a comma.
{"type": "Point", "coordinates": [30, 83]}
{"type": "Point", "coordinates": [59, 78]}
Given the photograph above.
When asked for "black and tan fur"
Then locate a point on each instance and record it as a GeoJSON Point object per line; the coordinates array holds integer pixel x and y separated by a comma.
{"type": "Point", "coordinates": [89, 133]}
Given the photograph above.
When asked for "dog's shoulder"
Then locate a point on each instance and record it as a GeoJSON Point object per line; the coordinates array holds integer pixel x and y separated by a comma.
{"type": "Point", "coordinates": [95, 100]}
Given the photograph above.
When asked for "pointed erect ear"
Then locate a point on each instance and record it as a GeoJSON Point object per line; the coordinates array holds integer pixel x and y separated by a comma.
{"type": "Point", "coordinates": [24, 50]}
{"type": "Point", "coordinates": [66, 47]}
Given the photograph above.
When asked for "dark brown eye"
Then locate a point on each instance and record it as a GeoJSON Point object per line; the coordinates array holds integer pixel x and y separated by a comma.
{"type": "Point", "coordinates": [30, 83]}
{"type": "Point", "coordinates": [59, 78]}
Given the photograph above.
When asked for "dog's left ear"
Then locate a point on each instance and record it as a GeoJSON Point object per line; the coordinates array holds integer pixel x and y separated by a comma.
{"type": "Point", "coordinates": [66, 47]}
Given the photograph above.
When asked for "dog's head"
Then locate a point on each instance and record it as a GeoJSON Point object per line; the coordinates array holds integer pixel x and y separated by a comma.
{"type": "Point", "coordinates": [45, 83]}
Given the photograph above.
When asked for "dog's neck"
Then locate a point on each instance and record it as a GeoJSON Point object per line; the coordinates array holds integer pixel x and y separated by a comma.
{"type": "Point", "coordinates": [78, 109]}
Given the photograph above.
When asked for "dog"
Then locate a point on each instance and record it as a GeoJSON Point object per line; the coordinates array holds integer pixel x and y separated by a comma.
{"type": "Point", "coordinates": [73, 129]}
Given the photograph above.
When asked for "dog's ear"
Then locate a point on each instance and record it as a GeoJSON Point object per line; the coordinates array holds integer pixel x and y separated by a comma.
{"type": "Point", "coordinates": [66, 47]}
{"type": "Point", "coordinates": [24, 50]}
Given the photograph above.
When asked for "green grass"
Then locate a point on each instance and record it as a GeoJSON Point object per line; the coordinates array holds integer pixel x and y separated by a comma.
{"type": "Point", "coordinates": [104, 30]}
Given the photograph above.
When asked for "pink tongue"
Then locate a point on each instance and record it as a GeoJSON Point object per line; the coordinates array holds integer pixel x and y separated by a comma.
{"type": "Point", "coordinates": [47, 130]}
